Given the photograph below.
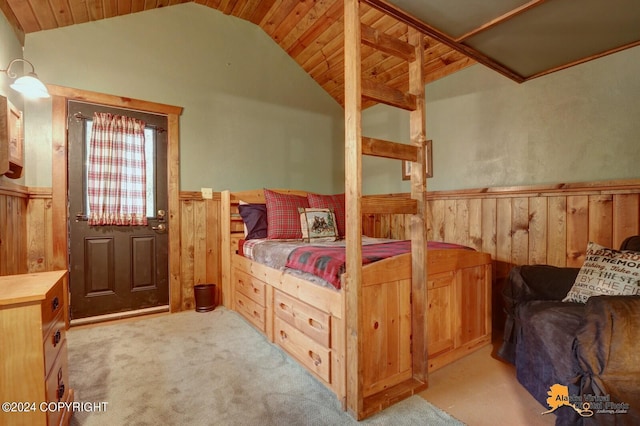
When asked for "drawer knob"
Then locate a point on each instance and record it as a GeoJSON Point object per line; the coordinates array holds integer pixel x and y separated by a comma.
{"type": "Point", "coordinates": [55, 303]}
{"type": "Point", "coordinates": [56, 338]}
{"type": "Point", "coordinates": [317, 360]}
{"type": "Point", "coordinates": [315, 324]}
{"type": "Point", "coordinates": [284, 306]}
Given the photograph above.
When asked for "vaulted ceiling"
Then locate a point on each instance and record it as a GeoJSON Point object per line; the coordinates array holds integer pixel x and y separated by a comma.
{"type": "Point", "coordinates": [521, 39]}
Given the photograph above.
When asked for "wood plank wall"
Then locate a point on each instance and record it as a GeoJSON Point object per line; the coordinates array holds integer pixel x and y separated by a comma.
{"type": "Point", "coordinates": [542, 224]}
{"type": "Point", "coordinates": [13, 214]}
{"type": "Point", "coordinates": [40, 230]}
{"type": "Point", "coordinates": [200, 241]}
{"type": "Point", "coordinates": [26, 242]}
{"type": "Point", "coordinates": [526, 225]}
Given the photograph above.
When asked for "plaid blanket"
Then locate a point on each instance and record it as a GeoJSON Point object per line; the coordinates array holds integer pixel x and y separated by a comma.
{"type": "Point", "coordinates": [328, 263]}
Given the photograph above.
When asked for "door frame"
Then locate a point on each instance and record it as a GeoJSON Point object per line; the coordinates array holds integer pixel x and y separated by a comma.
{"type": "Point", "coordinates": [60, 95]}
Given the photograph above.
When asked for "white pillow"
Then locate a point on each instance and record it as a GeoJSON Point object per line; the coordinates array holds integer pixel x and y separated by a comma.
{"type": "Point", "coordinates": [606, 272]}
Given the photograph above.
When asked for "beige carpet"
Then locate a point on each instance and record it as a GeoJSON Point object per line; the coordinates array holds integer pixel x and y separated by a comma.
{"type": "Point", "coordinates": [208, 368]}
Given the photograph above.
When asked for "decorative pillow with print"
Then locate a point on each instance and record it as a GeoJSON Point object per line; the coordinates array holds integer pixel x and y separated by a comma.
{"type": "Point", "coordinates": [335, 202]}
{"type": "Point", "coordinates": [318, 225]}
{"type": "Point", "coordinates": [283, 221]}
{"type": "Point", "coordinates": [606, 272]}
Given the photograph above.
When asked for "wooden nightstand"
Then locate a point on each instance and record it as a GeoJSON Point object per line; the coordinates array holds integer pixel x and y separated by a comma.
{"type": "Point", "coordinates": [33, 349]}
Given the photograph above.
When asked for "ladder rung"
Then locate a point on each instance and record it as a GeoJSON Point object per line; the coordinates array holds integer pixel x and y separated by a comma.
{"type": "Point", "coordinates": [390, 205]}
{"type": "Point", "coordinates": [388, 95]}
{"type": "Point", "coordinates": [386, 43]}
{"type": "Point", "coordinates": [387, 149]}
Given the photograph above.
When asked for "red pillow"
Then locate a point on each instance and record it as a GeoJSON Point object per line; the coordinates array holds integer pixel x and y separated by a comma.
{"type": "Point", "coordinates": [334, 202]}
{"type": "Point", "coordinates": [283, 219]}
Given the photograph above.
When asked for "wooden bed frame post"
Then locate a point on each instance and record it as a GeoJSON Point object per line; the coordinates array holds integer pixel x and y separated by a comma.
{"type": "Point", "coordinates": [225, 255]}
{"type": "Point", "coordinates": [417, 124]}
{"type": "Point", "coordinates": [353, 193]}
{"type": "Point", "coordinates": [365, 395]}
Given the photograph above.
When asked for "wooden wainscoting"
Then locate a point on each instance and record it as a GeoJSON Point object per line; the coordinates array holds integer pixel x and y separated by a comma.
{"type": "Point", "coordinates": [199, 244]}
{"type": "Point", "coordinates": [516, 225]}
{"type": "Point", "coordinates": [26, 242]}
{"type": "Point", "coordinates": [39, 230]}
{"type": "Point", "coordinates": [547, 224]}
{"type": "Point", "coordinates": [13, 215]}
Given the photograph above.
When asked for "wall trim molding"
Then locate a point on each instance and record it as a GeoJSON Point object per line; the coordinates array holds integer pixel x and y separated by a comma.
{"type": "Point", "coordinates": [603, 187]}
{"type": "Point", "coordinates": [13, 189]}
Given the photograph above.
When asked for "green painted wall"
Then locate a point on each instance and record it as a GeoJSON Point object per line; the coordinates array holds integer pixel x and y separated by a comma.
{"type": "Point", "coordinates": [252, 117]}
{"type": "Point", "coordinates": [580, 124]}
{"type": "Point", "coordinates": [249, 107]}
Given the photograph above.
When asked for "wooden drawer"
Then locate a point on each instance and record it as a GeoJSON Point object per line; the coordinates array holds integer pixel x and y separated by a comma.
{"type": "Point", "coordinates": [307, 319]}
{"type": "Point", "coordinates": [252, 311]}
{"type": "Point", "coordinates": [53, 341]}
{"type": "Point", "coordinates": [313, 356]}
{"type": "Point", "coordinates": [57, 384]}
{"type": "Point", "coordinates": [251, 287]}
{"type": "Point", "coordinates": [52, 306]}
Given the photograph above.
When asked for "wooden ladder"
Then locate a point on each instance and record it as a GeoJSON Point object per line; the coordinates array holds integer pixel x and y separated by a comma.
{"type": "Point", "coordinates": [356, 89]}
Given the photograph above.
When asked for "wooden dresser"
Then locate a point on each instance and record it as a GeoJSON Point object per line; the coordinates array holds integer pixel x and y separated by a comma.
{"type": "Point", "coordinates": [34, 375]}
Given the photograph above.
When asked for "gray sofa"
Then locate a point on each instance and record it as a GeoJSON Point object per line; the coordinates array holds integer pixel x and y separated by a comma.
{"type": "Point", "coordinates": [592, 348]}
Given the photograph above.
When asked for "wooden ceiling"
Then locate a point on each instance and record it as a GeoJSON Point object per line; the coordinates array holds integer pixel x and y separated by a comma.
{"type": "Point", "coordinates": [310, 31]}
{"type": "Point", "coordinates": [522, 39]}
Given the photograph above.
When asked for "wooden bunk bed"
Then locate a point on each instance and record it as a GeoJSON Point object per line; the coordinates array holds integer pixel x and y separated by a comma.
{"type": "Point", "coordinates": [373, 342]}
{"type": "Point", "coordinates": [308, 321]}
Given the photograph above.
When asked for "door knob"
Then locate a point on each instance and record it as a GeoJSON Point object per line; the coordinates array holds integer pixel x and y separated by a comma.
{"type": "Point", "coordinates": [161, 227]}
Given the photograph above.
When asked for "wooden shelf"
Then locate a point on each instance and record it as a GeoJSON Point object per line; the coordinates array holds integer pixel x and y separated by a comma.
{"type": "Point", "coordinates": [11, 139]}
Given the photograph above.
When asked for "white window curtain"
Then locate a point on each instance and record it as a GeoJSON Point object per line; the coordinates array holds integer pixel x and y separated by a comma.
{"type": "Point", "coordinates": [116, 178]}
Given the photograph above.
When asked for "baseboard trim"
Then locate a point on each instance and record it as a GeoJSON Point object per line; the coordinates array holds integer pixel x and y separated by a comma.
{"type": "Point", "coordinates": [119, 315]}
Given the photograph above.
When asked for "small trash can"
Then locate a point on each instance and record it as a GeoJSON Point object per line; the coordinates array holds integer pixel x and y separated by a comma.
{"type": "Point", "coordinates": [205, 295]}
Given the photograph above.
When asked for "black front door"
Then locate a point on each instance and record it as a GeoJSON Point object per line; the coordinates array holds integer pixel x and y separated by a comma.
{"type": "Point", "coordinates": [116, 268]}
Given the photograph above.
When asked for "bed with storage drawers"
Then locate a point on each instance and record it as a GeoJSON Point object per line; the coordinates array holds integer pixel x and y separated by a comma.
{"type": "Point", "coordinates": [307, 319]}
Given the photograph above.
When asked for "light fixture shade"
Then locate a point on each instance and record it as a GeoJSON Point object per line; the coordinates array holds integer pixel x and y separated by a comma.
{"type": "Point", "coordinates": [30, 86]}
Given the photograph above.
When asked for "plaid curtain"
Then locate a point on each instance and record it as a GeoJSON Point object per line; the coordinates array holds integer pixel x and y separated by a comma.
{"type": "Point", "coordinates": [116, 183]}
